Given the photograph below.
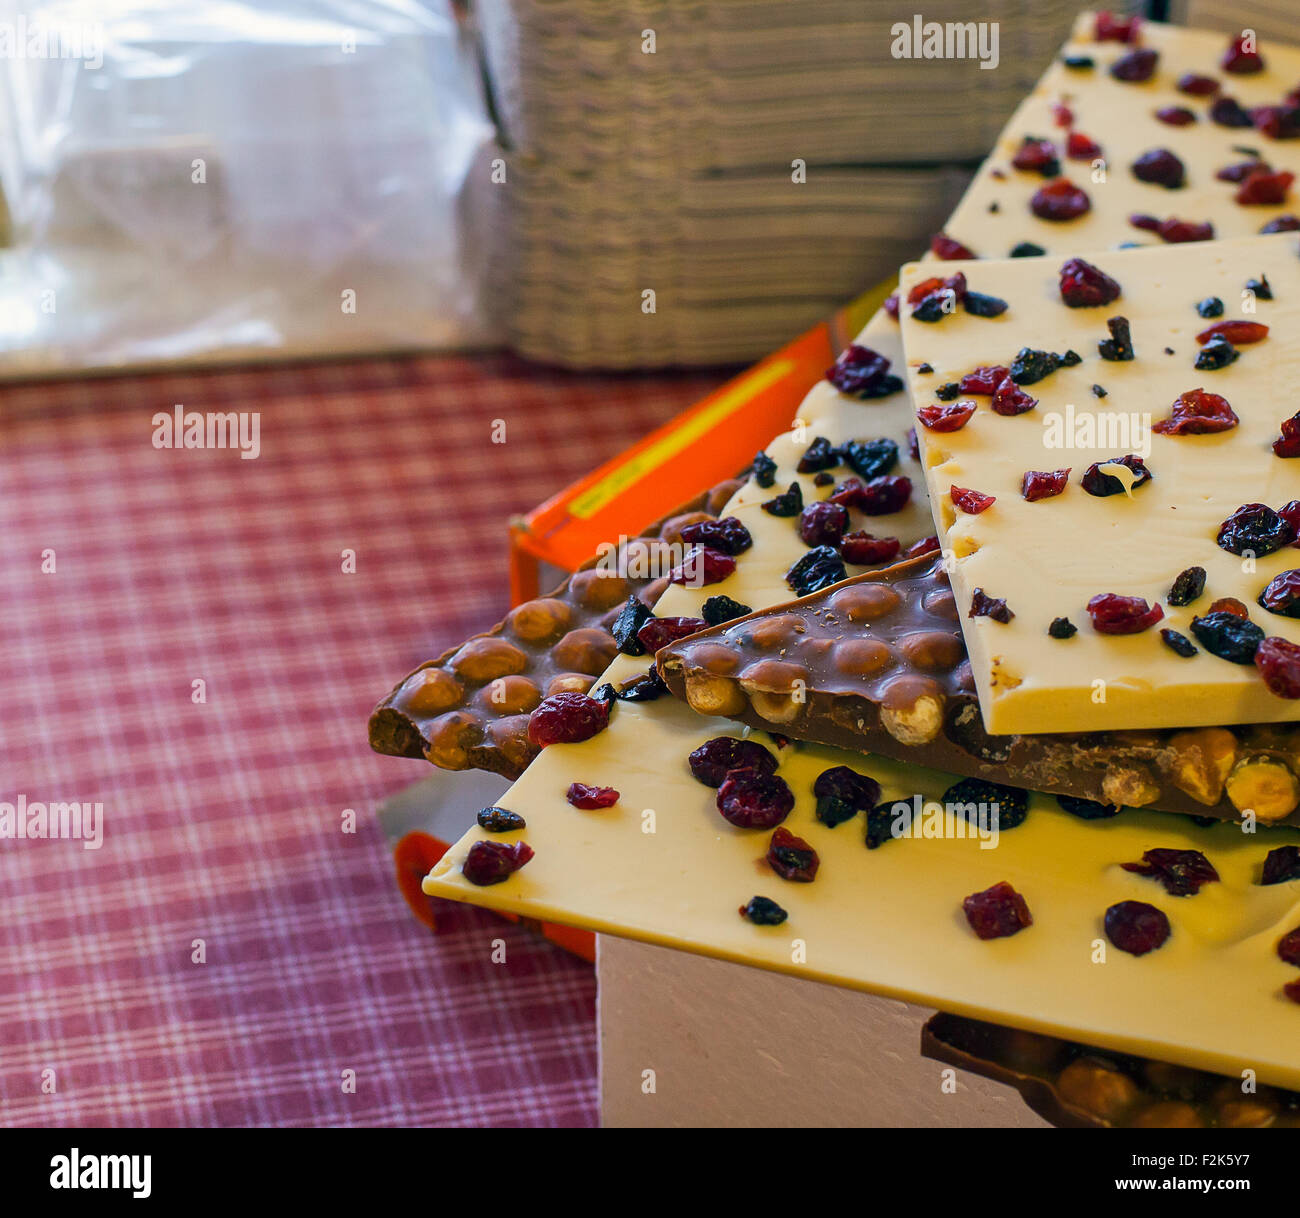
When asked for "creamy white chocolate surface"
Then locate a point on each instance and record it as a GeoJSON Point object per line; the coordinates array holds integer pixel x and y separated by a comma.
{"type": "Point", "coordinates": [664, 867]}
{"type": "Point", "coordinates": [1048, 558]}
{"type": "Point", "coordinates": [1121, 118]}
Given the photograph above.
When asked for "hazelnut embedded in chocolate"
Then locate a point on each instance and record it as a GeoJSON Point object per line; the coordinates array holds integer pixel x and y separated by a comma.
{"type": "Point", "coordinates": [712, 657]}
{"type": "Point", "coordinates": [1098, 1088]}
{"type": "Point", "coordinates": [538, 620]}
{"type": "Point", "coordinates": [777, 689]}
{"type": "Point", "coordinates": [861, 657]}
{"type": "Point", "coordinates": [570, 683]}
{"type": "Point", "coordinates": [509, 738]}
{"type": "Point", "coordinates": [429, 692]}
{"type": "Point", "coordinates": [933, 650]}
{"type": "Point", "coordinates": [708, 694]}
{"type": "Point", "coordinates": [597, 589]}
{"type": "Point", "coordinates": [486, 658]}
{"type": "Point", "coordinates": [770, 634]}
{"type": "Point", "coordinates": [513, 695]}
{"type": "Point", "coordinates": [1167, 1114]}
{"type": "Point", "coordinates": [589, 650]}
{"type": "Point", "coordinates": [865, 602]}
{"type": "Point", "coordinates": [450, 738]}
{"type": "Point", "coordinates": [941, 603]}
{"type": "Point", "coordinates": [911, 709]}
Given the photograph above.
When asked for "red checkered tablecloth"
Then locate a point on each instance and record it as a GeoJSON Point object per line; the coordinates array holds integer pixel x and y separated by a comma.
{"type": "Point", "coordinates": [223, 819]}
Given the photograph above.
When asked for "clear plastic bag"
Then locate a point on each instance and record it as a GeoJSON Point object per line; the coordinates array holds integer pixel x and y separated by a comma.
{"type": "Point", "coordinates": [223, 180]}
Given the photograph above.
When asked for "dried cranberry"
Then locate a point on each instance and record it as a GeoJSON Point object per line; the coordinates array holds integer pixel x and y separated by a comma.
{"type": "Point", "coordinates": [1242, 58]}
{"type": "Point", "coordinates": [728, 535]}
{"type": "Point", "coordinates": [1216, 354]}
{"type": "Point", "coordinates": [1042, 484]}
{"type": "Point", "coordinates": [716, 758]}
{"type": "Point", "coordinates": [1288, 947]}
{"type": "Point", "coordinates": [1197, 86]}
{"type": "Point", "coordinates": [884, 495]}
{"type": "Point", "coordinates": [1228, 604]}
{"type": "Point", "coordinates": [1160, 167]}
{"type": "Point", "coordinates": [1136, 66]}
{"type": "Point", "coordinates": [952, 417]}
{"type": "Point", "coordinates": [1282, 224]}
{"type": "Point", "coordinates": [1197, 413]}
{"type": "Point", "coordinates": [1059, 200]}
{"type": "Point", "coordinates": [927, 545]}
{"type": "Point", "coordinates": [1176, 116]}
{"type": "Point", "coordinates": [978, 304]}
{"type": "Point", "coordinates": [792, 858]}
{"type": "Point", "coordinates": [1062, 115]}
{"type": "Point", "coordinates": [1182, 872]}
{"type": "Point", "coordinates": [819, 568]}
{"type": "Point", "coordinates": [1037, 156]}
{"type": "Point", "coordinates": [568, 717]}
{"type": "Point", "coordinates": [719, 609]}
{"type": "Point", "coordinates": [631, 618]}
{"type": "Point", "coordinates": [1278, 661]}
{"type": "Point", "coordinates": [1177, 232]}
{"type": "Point", "coordinates": [1227, 112]}
{"type": "Point", "coordinates": [491, 862]}
{"type": "Point", "coordinates": [661, 631]}
{"type": "Point", "coordinates": [1118, 348]}
{"type": "Point", "coordinates": [1084, 286]}
{"type": "Point", "coordinates": [1136, 927]}
{"type": "Point", "coordinates": [1292, 990]}
{"type": "Point", "coordinates": [969, 501]}
{"type": "Point", "coordinates": [1010, 400]}
{"type": "Point", "coordinates": [1257, 528]}
{"type": "Point", "coordinates": [997, 912]}
{"type": "Point", "coordinates": [1061, 628]}
{"type": "Point", "coordinates": [1236, 332]}
{"type": "Point", "coordinates": [1187, 586]}
{"type": "Point", "coordinates": [1288, 443]}
{"type": "Point", "coordinates": [500, 820]}
{"type": "Point", "coordinates": [1078, 147]}
{"type": "Point", "coordinates": [1147, 223]}
{"type": "Point", "coordinates": [863, 550]}
{"type": "Point", "coordinates": [764, 469]}
{"type": "Point", "coordinates": [983, 605]}
{"type": "Point", "coordinates": [944, 247]}
{"type": "Point", "coordinates": [891, 305]}
{"type": "Point", "coordinates": [702, 566]}
{"type": "Point", "coordinates": [788, 503]}
{"type": "Point", "coordinates": [913, 444]}
{"type": "Point", "coordinates": [870, 458]}
{"type": "Point", "coordinates": [1277, 122]}
{"type": "Point", "coordinates": [1290, 512]}
{"type": "Point", "coordinates": [1282, 596]}
{"type": "Point", "coordinates": [1097, 482]}
{"type": "Point", "coordinates": [862, 372]}
{"type": "Point", "coordinates": [823, 524]}
{"type": "Point", "coordinates": [1227, 636]}
{"type": "Point", "coordinates": [820, 454]}
{"type": "Point", "coordinates": [1088, 809]}
{"type": "Point", "coordinates": [1281, 865]}
{"type": "Point", "coordinates": [763, 912]}
{"type": "Point", "coordinates": [1238, 172]}
{"type": "Point", "coordinates": [580, 795]}
{"type": "Point", "coordinates": [983, 381]}
{"type": "Point", "coordinates": [1107, 27]}
{"type": "Point", "coordinates": [1114, 614]}
{"type": "Point", "coordinates": [752, 799]}
{"type": "Point", "coordinates": [1264, 188]}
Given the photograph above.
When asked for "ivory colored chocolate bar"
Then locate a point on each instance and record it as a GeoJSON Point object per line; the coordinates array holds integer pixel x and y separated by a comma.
{"type": "Point", "coordinates": [1047, 559]}
{"type": "Point", "coordinates": [995, 215]}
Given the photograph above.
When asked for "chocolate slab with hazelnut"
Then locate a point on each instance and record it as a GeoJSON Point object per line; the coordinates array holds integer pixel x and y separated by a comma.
{"type": "Point", "coordinates": [877, 664]}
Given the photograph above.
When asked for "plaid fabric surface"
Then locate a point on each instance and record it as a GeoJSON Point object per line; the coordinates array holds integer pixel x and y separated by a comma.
{"type": "Point", "coordinates": [223, 819]}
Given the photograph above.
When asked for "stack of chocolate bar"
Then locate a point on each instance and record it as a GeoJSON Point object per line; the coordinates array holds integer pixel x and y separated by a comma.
{"type": "Point", "coordinates": [983, 687]}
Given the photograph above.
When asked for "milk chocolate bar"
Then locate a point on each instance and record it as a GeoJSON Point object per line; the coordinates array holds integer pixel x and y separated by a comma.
{"type": "Point", "coordinates": [877, 664]}
{"type": "Point", "coordinates": [1075, 1086]}
{"type": "Point", "coordinates": [468, 709]}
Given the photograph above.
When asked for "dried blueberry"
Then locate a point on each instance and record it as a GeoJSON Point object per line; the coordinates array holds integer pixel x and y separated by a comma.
{"type": "Point", "coordinates": [1118, 348]}
{"type": "Point", "coordinates": [631, 618]}
{"type": "Point", "coordinates": [1217, 353]}
{"type": "Point", "coordinates": [948, 392]}
{"type": "Point", "coordinates": [716, 758]}
{"type": "Point", "coordinates": [764, 470]}
{"type": "Point", "coordinates": [1098, 392]}
{"type": "Point", "coordinates": [1088, 809]}
{"type": "Point", "coordinates": [1211, 306]}
{"type": "Point", "coordinates": [863, 373]}
{"type": "Point", "coordinates": [788, 503]}
{"type": "Point", "coordinates": [500, 820]}
{"type": "Point", "coordinates": [1187, 586]}
{"type": "Point", "coordinates": [979, 801]}
{"type": "Point", "coordinates": [820, 454]}
{"type": "Point", "coordinates": [1097, 482]}
{"type": "Point", "coordinates": [1182, 872]}
{"type": "Point", "coordinates": [1255, 528]}
{"type": "Point", "coordinates": [719, 609]}
{"type": "Point", "coordinates": [880, 825]}
{"type": "Point", "coordinates": [819, 568]}
{"type": "Point", "coordinates": [1161, 168]}
{"type": "Point", "coordinates": [763, 912]}
{"type": "Point", "coordinates": [1281, 865]}
{"type": "Point", "coordinates": [1026, 249]}
{"type": "Point", "coordinates": [1228, 113]}
{"type": "Point", "coordinates": [1179, 644]}
{"type": "Point", "coordinates": [1261, 287]}
{"type": "Point", "coordinates": [644, 688]}
{"type": "Point", "coordinates": [980, 305]}
{"type": "Point", "coordinates": [1228, 636]}
{"type": "Point", "coordinates": [1029, 367]}
{"type": "Point", "coordinates": [1062, 628]}
{"type": "Point", "coordinates": [1079, 63]}
{"type": "Point", "coordinates": [870, 458]}
{"type": "Point", "coordinates": [841, 788]}
{"type": "Point", "coordinates": [832, 811]}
